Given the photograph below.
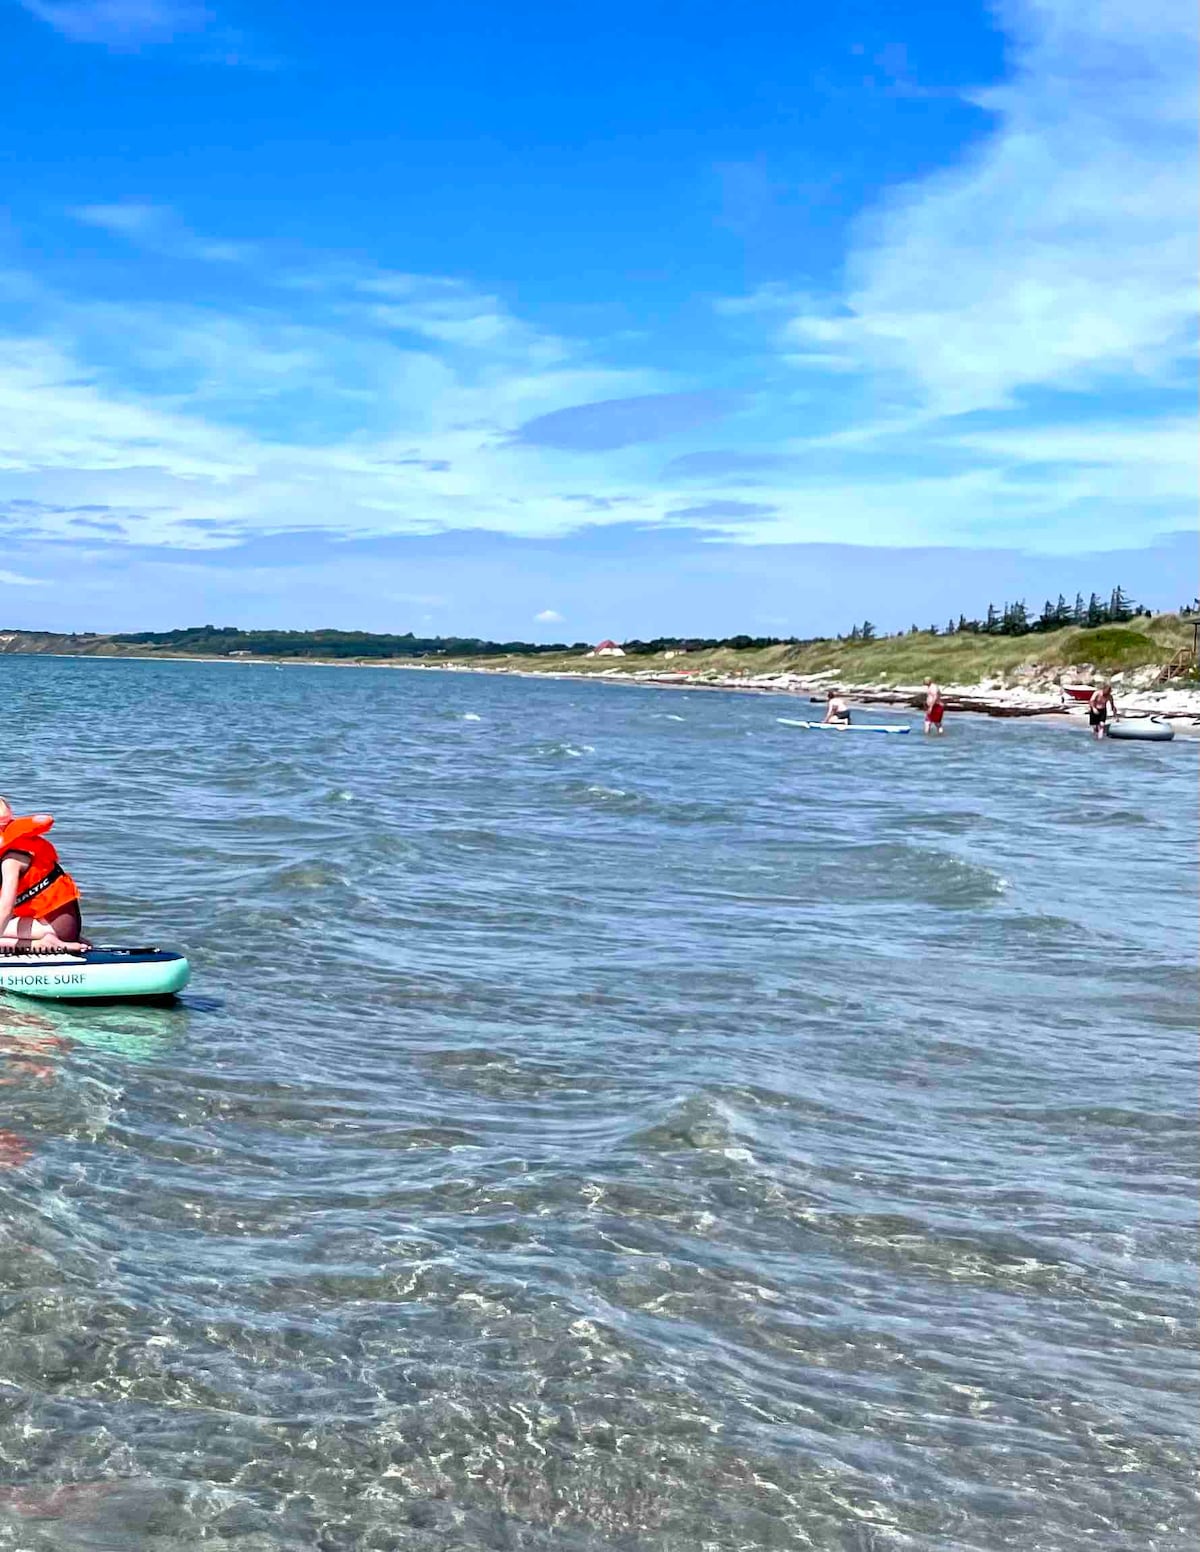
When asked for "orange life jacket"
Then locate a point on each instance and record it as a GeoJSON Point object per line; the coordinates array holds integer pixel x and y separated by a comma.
{"type": "Point", "coordinates": [45, 886]}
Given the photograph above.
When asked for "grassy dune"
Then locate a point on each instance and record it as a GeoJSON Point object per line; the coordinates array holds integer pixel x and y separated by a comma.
{"type": "Point", "coordinates": [959, 659]}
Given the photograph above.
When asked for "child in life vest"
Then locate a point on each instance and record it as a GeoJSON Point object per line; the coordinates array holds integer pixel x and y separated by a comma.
{"type": "Point", "coordinates": [39, 901]}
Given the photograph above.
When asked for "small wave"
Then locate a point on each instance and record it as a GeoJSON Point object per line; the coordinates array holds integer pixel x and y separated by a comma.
{"type": "Point", "coordinates": [900, 871]}
{"type": "Point", "coordinates": [698, 1124]}
{"type": "Point", "coordinates": [475, 838]}
{"type": "Point", "coordinates": [564, 751]}
{"type": "Point", "coordinates": [1091, 818]}
{"type": "Point", "coordinates": [471, 716]}
{"type": "Point", "coordinates": [596, 795]}
{"type": "Point", "coordinates": [945, 823]}
{"type": "Point", "coordinates": [308, 875]}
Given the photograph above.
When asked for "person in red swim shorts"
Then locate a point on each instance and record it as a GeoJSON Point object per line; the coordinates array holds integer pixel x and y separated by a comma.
{"type": "Point", "coordinates": [935, 707]}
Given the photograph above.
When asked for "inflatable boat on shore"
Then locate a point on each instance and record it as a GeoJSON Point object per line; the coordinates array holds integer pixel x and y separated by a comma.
{"type": "Point", "coordinates": [99, 975]}
{"type": "Point", "coordinates": [1146, 730]}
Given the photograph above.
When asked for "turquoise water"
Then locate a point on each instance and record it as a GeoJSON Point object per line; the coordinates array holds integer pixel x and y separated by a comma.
{"type": "Point", "coordinates": [600, 1118]}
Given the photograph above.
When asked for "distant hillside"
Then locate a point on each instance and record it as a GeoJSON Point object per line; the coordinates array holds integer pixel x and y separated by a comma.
{"type": "Point", "coordinates": [963, 657]}
{"type": "Point", "coordinates": [227, 641]}
{"type": "Point", "coordinates": [1147, 642]}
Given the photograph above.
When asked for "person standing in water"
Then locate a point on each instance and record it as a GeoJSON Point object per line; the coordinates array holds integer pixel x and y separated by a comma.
{"type": "Point", "coordinates": [935, 707]}
{"type": "Point", "coordinates": [837, 712]}
{"type": "Point", "coordinates": [39, 900]}
{"type": "Point", "coordinates": [1099, 707]}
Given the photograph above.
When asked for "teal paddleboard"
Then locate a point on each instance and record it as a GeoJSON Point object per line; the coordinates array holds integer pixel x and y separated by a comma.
{"type": "Point", "coordinates": [110, 974]}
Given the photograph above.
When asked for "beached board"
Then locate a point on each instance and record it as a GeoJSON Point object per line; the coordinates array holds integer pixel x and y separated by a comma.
{"type": "Point", "coordinates": [843, 727]}
{"type": "Point", "coordinates": [108, 974]}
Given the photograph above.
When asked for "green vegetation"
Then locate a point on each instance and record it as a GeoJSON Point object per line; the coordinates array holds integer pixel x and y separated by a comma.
{"type": "Point", "coordinates": [1015, 619]}
{"type": "Point", "coordinates": [224, 640]}
{"type": "Point", "coordinates": [963, 657]}
{"type": "Point", "coordinates": [1112, 648]}
{"type": "Point", "coordinates": [1004, 646]}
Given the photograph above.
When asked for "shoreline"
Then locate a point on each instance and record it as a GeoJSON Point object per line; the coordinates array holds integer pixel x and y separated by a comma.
{"type": "Point", "coordinates": [1180, 707]}
{"type": "Point", "coordinates": [1037, 701]}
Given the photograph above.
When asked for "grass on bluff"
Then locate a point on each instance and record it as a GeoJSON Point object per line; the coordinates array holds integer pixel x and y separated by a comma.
{"type": "Point", "coordinates": [959, 659]}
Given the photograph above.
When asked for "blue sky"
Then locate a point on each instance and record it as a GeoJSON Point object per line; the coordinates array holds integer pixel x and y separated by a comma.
{"type": "Point", "coordinates": [543, 321]}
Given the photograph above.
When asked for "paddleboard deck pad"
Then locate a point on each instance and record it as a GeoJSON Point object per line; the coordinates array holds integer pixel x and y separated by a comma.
{"type": "Point", "coordinates": [100, 974]}
{"type": "Point", "coordinates": [843, 727]}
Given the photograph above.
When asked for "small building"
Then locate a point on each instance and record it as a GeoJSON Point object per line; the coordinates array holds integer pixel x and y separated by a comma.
{"type": "Point", "coordinates": [607, 649]}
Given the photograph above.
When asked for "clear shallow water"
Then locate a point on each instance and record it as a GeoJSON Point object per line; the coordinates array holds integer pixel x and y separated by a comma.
{"type": "Point", "coordinates": [600, 1118]}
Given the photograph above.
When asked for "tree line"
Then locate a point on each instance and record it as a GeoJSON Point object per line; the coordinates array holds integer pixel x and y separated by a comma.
{"type": "Point", "coordinates": [637, 648]}
{"type": "Point", "coordinates": [222, 640]}
{"type": "Point", "coordinates": [1016, 620]}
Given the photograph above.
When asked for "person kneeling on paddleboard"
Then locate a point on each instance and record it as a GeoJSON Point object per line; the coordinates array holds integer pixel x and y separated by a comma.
{"type": "Point", "coordinates": [39, 901]}
{"type": "Point", "coordinates": [836, 710]}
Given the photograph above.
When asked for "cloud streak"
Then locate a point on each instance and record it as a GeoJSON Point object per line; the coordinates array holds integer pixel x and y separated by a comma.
{"type": "Point", "coordinates": [157, 229]}
{"type": "Point", "coordinates": [614, 423]}
{"type": "Point", "coordinates": [121, 24]}
{"type": "Point", "coordinates": [1061, 255]}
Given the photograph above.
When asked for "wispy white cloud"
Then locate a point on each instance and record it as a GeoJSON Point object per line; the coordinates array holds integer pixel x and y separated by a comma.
{"type": "Point", "coordinates": [1062, 254]}
{"type": "Point", "coordinates": [548, 617]}
{"type": "Point", "coordinates": [136, 26]}
{"type": "Point", "coordinates": [121, 24]}
{"type": "Point", "coordinates": [198, 427]}
{"type": "Point", "coordinates": [158, 229]}
{"type": "Point", "coordinates": [15, 579]}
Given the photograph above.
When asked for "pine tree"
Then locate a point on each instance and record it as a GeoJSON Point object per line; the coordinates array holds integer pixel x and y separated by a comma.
{"type": "Point", "coordinates": [1048, 618]}
{"type": "Point", "coordinates": [1018, 619]}
{"type": "Point", "coordinates": [1095, 612]}
{"type": "Point", "coordinates": [866, 631]}
{"type": "Point", "coordinates": [951, 628]}
{"type": "Point", "coordinates": [992, 623]}
{"type": "Point", "coordinates": [1121, 607]}
{"type": "Point", "coordinates": [1077, 613]}
{"type": "Point", "coordinates": [855, 633]}
{"type": "Point", "coordinates": [933, 630]}
{"type": "Point", "coordinates": [964, 624]}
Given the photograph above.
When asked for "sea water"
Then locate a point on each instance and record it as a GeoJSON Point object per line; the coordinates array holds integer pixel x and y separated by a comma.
{"type": "Point", "coordinates": [601, 1118]}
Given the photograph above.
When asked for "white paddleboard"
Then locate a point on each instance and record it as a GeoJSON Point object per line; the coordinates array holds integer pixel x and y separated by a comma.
{"type": "Point", "coordinates": [842, 727]}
